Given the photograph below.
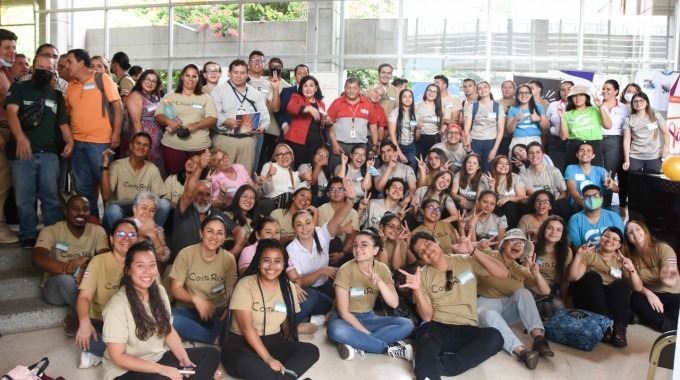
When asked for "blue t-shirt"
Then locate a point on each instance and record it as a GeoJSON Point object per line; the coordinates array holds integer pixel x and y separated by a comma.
{"type": "Point", "coordinates": [581, 231]}
{"type": "Point", "coordinates": [526, 127]}
{"type": "Point", "coordinates": [596, 177]}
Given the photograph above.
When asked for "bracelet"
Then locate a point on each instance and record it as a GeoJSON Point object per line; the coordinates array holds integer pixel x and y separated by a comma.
{"type": "Point", "coordinates": [102, 168]}
{"type": "Point", "coordinates": [268, 358]}
{"type": "Point", "coordinates": [473, 251]}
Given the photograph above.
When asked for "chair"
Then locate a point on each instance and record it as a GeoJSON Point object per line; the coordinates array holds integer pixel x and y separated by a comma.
{"type": "Point", "coordinates": [663, 353]}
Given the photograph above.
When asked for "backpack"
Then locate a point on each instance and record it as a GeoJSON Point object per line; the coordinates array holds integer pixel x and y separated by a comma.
{"type": "Point", "coordinates": [475, 108]}
{"type": "Point", "coordinates": [107, 108]}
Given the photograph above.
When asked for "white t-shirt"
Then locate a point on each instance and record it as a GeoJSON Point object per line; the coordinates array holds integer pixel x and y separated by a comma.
{"type": "Point", "coordinates": [306, 262]}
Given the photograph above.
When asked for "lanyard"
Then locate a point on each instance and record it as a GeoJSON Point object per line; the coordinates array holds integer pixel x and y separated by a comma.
{"type": "Point", "coordinates": [240, 97]}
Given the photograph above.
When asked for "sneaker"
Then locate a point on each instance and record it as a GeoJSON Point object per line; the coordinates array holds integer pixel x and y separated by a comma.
{"type": "Point", "coordinates": [88, 360]}
{"type": "Point", "coordinates": [318, 320]}
{"type": "Point", "coordinates": [71, 325]}
{"type": "Point", "coordinates": [345, 351]}
{"type": "Point", "coordinates": [400, 350]}
{"type": "Point", "coordinates": [6, 235]}
{"type": "Point", "coordinates": [28, 244]}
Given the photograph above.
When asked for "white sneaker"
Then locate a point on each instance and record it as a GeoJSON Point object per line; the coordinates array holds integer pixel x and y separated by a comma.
{"type": "Point", "coordinates": [345, 351]}
{"type": "Point", "coordinates": [88, 360]}
{"type": "Point", "coordinates": [400, 350]}
{"type": "Point", "coordinates": [318, 320]}
{"type": "Point", "coordinates": [7, 235]}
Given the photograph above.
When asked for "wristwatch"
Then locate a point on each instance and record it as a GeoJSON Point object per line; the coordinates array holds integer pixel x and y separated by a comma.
{"type": "Point", "coordinates": [102, 168]}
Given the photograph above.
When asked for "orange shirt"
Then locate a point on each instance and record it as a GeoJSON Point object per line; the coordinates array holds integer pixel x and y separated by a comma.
{"type": "Point", "coordinates": [84, 106]}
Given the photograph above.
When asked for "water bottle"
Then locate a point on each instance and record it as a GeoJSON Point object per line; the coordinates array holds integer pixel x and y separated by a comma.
{"type": "Point", "coordinates": [168, 110]}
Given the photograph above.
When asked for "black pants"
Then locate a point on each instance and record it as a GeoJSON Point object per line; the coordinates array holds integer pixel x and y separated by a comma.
{"type": "Point", "coordinates": [242, 362]}
{"type": "Point", "coordinates": [512, 211]}
{"type": "Point", "coordinates": [611, 300]}
{"type": "Point", "coordinates": [206, 359]}
{"type": "Point", "coordinates": [449, 350]}
{"type": "Point", "coordinates": [558, 152]}
{"type": "Point", "coordinates": [424, 144]}
{"type": "Point", "coordinates": [267, 152]}
{"type": "Point", "coordinates": [651, 317]}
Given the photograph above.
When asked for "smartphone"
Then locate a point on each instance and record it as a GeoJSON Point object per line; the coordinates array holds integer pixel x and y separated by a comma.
{"type": "Point", "coordinates": [276, 70]}
{"type": "Point", "coordinates": [291, 373]}
{"type": "Point", "coordinates": [187, 370]}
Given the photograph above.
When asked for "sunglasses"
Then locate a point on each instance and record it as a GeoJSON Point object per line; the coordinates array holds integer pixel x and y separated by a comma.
{"type": "Point", "coordinates": [449, 280]}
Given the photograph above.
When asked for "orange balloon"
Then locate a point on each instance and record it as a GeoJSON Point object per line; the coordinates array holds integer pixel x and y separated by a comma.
{"type": "Point", "coordinates": [671, 168]}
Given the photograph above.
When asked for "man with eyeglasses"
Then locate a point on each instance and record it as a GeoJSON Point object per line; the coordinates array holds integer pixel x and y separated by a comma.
{"type": "Point", "coordinates": [585, 227]}
{"type": "Point", "coordinates": [449, 342]}
{"type": "Point", "coordinates": [453, 148]}
{"type": "Point", "coordinates": [50, 51]}
{"type": "Point", "coordinates": [273, 131]}
{"type": "Point", "coordinates": [392, 168]}
{"type": "Point", "coordinates": [391, 94]}
{"type": "Point", "coordinates": [350, 226]}
{"type": "Point", "coordinates": [270, 90]}
{"type": "Point", "coordinates": [578, 176]}
{"type": "Point", "coordinates": [61, 249]}
{"type": "Point", "coordinates": [125, 177]}
{"type": "Point", "coordinates": [34, 149]}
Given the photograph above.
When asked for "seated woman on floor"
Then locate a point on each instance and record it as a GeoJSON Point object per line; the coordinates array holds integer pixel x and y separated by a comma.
{"type": "Point", "coordinates": [140, 340]}
{"type": "Point", "coordinates": [202, 278]}
{"type": "Point", "coordinates": [395, 253]}
{"type": "Point", "coordinates": [262, 342]}
{"type": "Point", "coordinates": [541, 202]}
{"type": "Point", "coordinates": [553, 255]}
{"type": "Point", "coordinates": [265, 227]}
{"type": "Point", "coordinates": [302, 200]}
{"type": "Point", "coordinates": [505, 302]}
{"type": "Point", "coordinates": [432, 224]}
{"type": "Point", "coordinates": [353, 325]}
{"type": "Point", "coordinates": [658, 302]}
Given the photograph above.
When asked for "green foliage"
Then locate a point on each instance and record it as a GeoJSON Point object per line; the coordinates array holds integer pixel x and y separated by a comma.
{"type": "Point", "coordinates": [367, 77]}
{"type": "Point", "coordinates": [163, 76]}
{"type": "Point", "coordinates": [222, 19]}
{"type": "Point", "coordinates": [364, 9]}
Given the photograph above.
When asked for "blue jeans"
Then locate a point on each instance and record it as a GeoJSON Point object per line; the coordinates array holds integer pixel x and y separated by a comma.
{"type": "Point", "coordinates": [97, 347]}
{"type": "Point", "coordinates": [85, 162]}
{"type": "Point", "coordinates": [189, 325]}
{"type": "Point", "coordinates": [384, 331]}
{"type": "Point", "coordinates": [33, 178]}
{"type": "Point", "coordinates": [122, 209]}
{"type": "Point", "coordinates": [259, 140]}
{"type": "Point", "coordinates": [483, 148]}
{"type": "Point", "coordinates": [317, 302]}
{"type": "Point", "coordinates": [410, 153]}
{"type": "Point", "coordinates": [61, 289]}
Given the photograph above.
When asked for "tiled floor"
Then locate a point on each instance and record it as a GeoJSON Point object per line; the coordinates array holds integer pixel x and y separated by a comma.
{"type": "Point", "coordinates": [604, 362]}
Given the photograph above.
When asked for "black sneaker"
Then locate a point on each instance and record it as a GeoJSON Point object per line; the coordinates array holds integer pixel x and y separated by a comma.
{"type": "Point", "coordinates": [28, 243]}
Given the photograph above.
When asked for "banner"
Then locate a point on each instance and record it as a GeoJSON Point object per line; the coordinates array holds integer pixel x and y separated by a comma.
{"type": "Point", "coordinates": [673, 116]}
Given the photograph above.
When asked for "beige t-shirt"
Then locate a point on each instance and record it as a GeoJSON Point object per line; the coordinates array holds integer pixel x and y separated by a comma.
{"type": "Point", "coordinates": [209, 279]}
{"type": "Point", "coordinates": [594, 262]}
{"type": "Point", "coordinates": [547, 262]}
{"type": "Point", "coordinates": [362, 293]}
{"type": "Point", "coordinates": [326, 212]}
{"type": "Point", "coordinates": [649, 269]}
{"type": "Point", "coordinates": [247, 296]}
{"type": "Point", "coordinates": [63, 246]}
{"type": "Point", "coordinates": [191, 109]}
{"type": "Point", "coordinates": [120, 327]}
{"type": "Point", "coordinates": [518, 278]}
{"type": "Point", "coordinates": [485, 123]}
{"type": "Point", "coordinates": [285, 222]}
{"type": "Point", "coordinates": [444, 232]}
{"type": "Point", "coordinates": [126, 183]}
{"type": "Point", "coordinates": [390, 247]}
{"type": "Point", "coordinates": [450, 104]}
{"type": "Point", "coordinates": [101, 277]}
{"type": "Point", "coordinates": [174, 188]}
{"type": "Point", "coordinates": [529, 225]}
{"type": "Point", "coordinates": [457, 306]}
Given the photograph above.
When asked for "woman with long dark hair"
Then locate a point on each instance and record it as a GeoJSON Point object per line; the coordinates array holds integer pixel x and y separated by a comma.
{"type": "Point", "coordinates": [484, 125]}
{"type": "Point", "coordinates": [612, 139]}
{"type": "Point", "coordinates": [582, 121]}
{"type": "Point", "coordinates": [540, 202]}
{"type": "Point", "coordinates": [356, 168]}
{"type": "Point", "coordinates": [320, 174]}
{"type": "Point", "coordinates": [553, 254]}
{"type": "Point", "coordinates": [244, 210]}
{"type": "Point", "coordinates": [439, 189]}
{"type": "Point", "coordinates": [265, 227]}
{"type": "Point", "coordinates": [401, 125]}
{"type": "Point", "coordinates": [466, 182]}
{"type": "Point", "coordinates": [526, 120]}
{"type": "Point", "coordinates": [430, 122]}
{"type": "Point", "coordinates": [509, 186]}
{"type": "Point", "coordinates": [262, 341]}
{"type": "Point", "coordinates": [138, 328]}
{"type": "Point", "coordinates": [302, 200]}
{"type": "Point", "coordinates": [642, 146]}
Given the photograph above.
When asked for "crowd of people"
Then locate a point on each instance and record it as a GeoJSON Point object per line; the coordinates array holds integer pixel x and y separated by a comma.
{"type": "Point", "coordinates": [246, 212]}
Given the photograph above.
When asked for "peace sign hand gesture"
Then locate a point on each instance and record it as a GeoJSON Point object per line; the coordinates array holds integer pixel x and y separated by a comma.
{"type": "Point", "coordinates": [373, 277]}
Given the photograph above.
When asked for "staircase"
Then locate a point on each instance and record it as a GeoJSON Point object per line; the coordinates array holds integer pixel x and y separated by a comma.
{"type": "Point", "coordinates": [22, 307]}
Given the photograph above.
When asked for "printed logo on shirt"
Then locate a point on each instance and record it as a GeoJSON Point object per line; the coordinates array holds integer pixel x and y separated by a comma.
{"type": "Point", "coordinates": [207, 277]}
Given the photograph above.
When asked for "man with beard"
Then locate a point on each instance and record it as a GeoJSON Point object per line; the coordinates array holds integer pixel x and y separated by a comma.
{"type": "Point", "coordinates": [8, 51]}
{"type": "Point", "coordinates": [63, 248]}
{"type": "Point", "coordinates": [35, 159]}
{"type": "Point", "coordinates": [194, 206]}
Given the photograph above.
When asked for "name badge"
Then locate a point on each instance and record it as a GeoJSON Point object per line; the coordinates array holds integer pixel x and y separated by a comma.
{"type": "Point", "coordinates": [392, 98]}
{"type": "Point", "coordinates": [458, 164]}
{"type": "Point", "coordinates": [373, 171]}
{"type": "Point", "coordinates": [197, 106]}
{"type": "Point", "coordinates": [353, 134]}
{"type": "Point", "coordinates": [536, 187]}
{"type": "Point", "coordinates": [279, 307]}
{"type": "Point", "coordinates": [357, 292]}
{"type": "Point", "coordinates": [88, 86]}
{"type": "Point", "coordinates": [264, 90]}
{"type": "Point", "coordinates": [434, 118]}
{"type": "Point", "coordinates": [616, 273]}
{"type": "Point", "coordinates": [539, 260]}
{"type": "Point", "coordinates": [49, 103]}
{"type": "Point", "coordinates": [493, 233]}
{"type": "Point", "coordinates": [492, 115]}
{"type": "Point", "coordinates": [231, 189]}
{"type": "Point", "coordinates": [359, 179]}
{"type": "Point", "coordinates": [412, 123]}
{"type": "Point", "coordinates": [290, 189]}
{"type": "Point", "coordinates": [151, 108]}
{"type": "Point", "coordinates": [364, 111]}
{"type": "Point", "coordinates": [580, 177]}
{"type": "Point", "coordinates": [465, 277]}
{"type": "Point", "coordinates": [62, 246]}
{"type": "Point", "coordinates": [218, 288]}
{"type": "Point", "coordinates": [448, 105]}
{"type": "Point", "coordinates": [652, 126]}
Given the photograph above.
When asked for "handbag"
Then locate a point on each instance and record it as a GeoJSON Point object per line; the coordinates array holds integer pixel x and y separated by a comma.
{"type": "Point", "coordinates": [576, 328]}
{"type": "Point", "coordinates": [33, 372]}
{"type": "Point", "coordinates": [32, 115]}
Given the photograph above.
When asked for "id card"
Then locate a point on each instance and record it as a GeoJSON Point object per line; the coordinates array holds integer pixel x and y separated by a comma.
{"type": "Point", "coordinates": [218, 288]}
{"type": "Point", "coordinates": [616, 273]}
{"type": "Point", "coordinates": [231, 189]}
{"type": "Point", "coordinates": [580, 177]}
{"type": "Point", "coordinates": [492, 115]}
{"type": "Point", "coordinates": [198, 106]}
{"type": "Point", "coordinates": [652, 126]}
{"type": "Point", "coordinates": [353, 134]}
{"type": "Point", "coordinates": [88, 86]}
{"type": "Point", "coordinates": [151, 108]}
{"type": "Point", "coordinates": [357, 292]}
{"type": "Point", "coordinates": [279, 307]}
{"type": "Point", "coordinates": [539, 260]}
{"type": "Point", "coordinates": [465, 277]}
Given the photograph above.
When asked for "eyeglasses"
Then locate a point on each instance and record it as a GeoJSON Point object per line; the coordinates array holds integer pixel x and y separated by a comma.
{"type": "Point", "coordinates": [271, 263]}
{"type": "Point", "coordinates": [283, 154]}
{"type": "Point", "coordinates": [639, 101]}
{"type": "Point", "coordinates": [257, 60]}
{"type": "Point", "coordinates": [612, 238]}
{"type": "Point", "coordinates": [211, 71]}
{"type": "Point", "coordinates": [359, 155]}
{"type": "Point", "coordinates": [153, 81]}
{"type": "Point", "coordinates": [333, 190]}
{"type": "Point", "coordinates": [432, 91]}
{"type": "Point", "coordinates": [449, 280]}
{"type": "Point", "coordinates": [322, 155]}
{"type": "Point", "coordinates": [592, 196]}
{"type": "Point", "coordinates": [524, 93]}
{"type": "Point", "coordinates": [519, 242]}
{"type": "Point", "coordinates": [434, 208]}
{"type": "Point", "coordinates": [542, 202]}
{"type": "Point", "coordinates": [453, 134]}
{"type": "Point", "coordinates": [362, 246]}
{"type": "Point", "coordinates": [123, 234]}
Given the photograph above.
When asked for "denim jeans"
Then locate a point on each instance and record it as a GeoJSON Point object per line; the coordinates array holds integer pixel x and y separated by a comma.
{"type": "Point", "coordinates": [189, 325]}
{"type": "Point", "coordinates": [483, 148]}
{"type": "Point", "coordinates": [502, 313]}
{"type": "Point", "coordinates": [121, 209]}
{"type": "Point", "coordinates": [410, 153]}
{"type": "Point", "coordinates": [259, 140]}
{"type": "Point", "coordinates": [61, 289]}
{"type": "Point", "coordinates": [317, 302]}
{"type": "Point", "coordinates": [449, 350]}
{"type": "Point", "coordinates": [383, 331]}
{"type": "Point", "coordinates": [86, 161]}
{"type": "Point", "coordinates": [36, 177]}
{"type": "Point", "coordinates": [97, 347]}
